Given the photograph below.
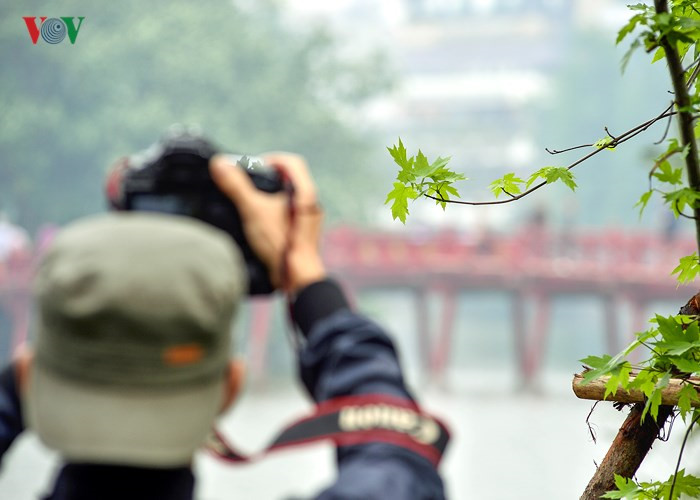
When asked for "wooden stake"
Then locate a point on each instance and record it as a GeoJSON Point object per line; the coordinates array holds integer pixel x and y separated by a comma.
{"type": "Point", "coordinates": [595, 390]}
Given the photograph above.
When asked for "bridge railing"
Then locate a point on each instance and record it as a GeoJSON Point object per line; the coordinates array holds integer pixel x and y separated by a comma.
{"type": "Point", "coordinates": [533, 262]}
{"type": "Point", "coordinates": [609, 255]}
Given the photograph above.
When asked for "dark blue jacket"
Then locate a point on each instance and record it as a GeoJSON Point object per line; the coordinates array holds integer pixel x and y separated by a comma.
{"type": "Point", "coordinates": [343, 354]}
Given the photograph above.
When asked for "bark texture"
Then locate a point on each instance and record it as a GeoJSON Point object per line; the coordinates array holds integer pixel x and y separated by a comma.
{"type": "Point", "coordinates": [631, 445]}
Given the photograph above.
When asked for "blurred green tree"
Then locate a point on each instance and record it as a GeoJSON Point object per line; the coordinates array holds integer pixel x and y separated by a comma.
{"type": "Point", "coordinates": [240, 70]}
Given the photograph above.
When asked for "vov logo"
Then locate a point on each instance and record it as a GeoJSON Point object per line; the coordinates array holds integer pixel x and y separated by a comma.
{"type": "Point", "coordinates": [54, 29]}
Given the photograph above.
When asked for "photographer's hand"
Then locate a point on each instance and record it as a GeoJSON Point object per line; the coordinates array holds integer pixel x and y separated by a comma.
{"type": "Point", "coordinates": [266, 219]}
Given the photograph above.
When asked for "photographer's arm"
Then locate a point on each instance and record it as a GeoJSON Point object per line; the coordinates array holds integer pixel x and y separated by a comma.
{"type": "Point", "coordinates": [11, 424]}
{"type": "Point", "coordinates": [345, 354]}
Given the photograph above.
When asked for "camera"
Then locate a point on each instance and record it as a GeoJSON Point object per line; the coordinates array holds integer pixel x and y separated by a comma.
{"type": "Point", "coordinates": [172, 176]}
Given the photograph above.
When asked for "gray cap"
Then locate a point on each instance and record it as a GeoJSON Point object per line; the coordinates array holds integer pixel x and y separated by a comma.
{"type": "Point", "coordinates": [130, 306]}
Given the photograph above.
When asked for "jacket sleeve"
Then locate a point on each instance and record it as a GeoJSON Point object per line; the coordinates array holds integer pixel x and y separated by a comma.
{"type": "Point", "coordinates": [11, 424]}
{"type": "Point", "coordinates": [346, 354]}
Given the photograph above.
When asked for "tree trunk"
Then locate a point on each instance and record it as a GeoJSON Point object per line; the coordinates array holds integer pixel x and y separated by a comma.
{"type": "Point", "coordinates": [631, 445]}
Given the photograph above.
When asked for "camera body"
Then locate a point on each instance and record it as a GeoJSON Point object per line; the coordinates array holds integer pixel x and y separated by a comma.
{"type": "Point", "coordinates": [172, 176]}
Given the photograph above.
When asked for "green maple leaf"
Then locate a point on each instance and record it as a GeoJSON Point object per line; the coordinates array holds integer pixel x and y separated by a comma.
{"type": "Point", "coordinates": [688, 268]}
{"type": "Point", "coordinates": [681, 198]}
{"type": "Point", "coordinates": [686, 484]}
{"type": "Point", "coordinates": [645, 381]}
{"type": "Point", "coordinates": [686, 365]}
{"type": "Point", "coordinates": [422, 166]}
{"type": "Point", "coordinates": [666, 173]}
{"type": "Point", "coordinates": [686, 396]}
{"type": "Point", "coordinates": [553, 174]}
{"type": "Point", "coordinates": [643, 201]}
{"type": "Point", "coordinates": [398, 153]}
{"type": "Point", "coordinates": [508, 183]}
{"type": "Point", "coordinates": [619, 377]}
{"type": "Point", "coordinates": [677, 347]}
{"type": "Point", "coordinates": [400, 194]}
{"type": "Point", "coordinates": [654, 400]}
{"type": "Point", "coordinates": [670, 328]}
{"type": "Point", "coordinates": [601, 365]}
{"type": "Point", "coordinates": [629, 27]}
{"type": "Point", "coordinates": [438, 168]}
{"type": "Point", "coordinates": [626, 488]}
{"type": "Point", "coordinates": [406, 173]}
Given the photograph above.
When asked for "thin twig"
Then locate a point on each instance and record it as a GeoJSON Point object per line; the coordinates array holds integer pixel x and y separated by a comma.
{"type": "Point", "coordinates": [611, 136]}
{"type": "Point", "coordinates": [668, 127]}
{"type": "Point", "coordinates": [665, 435]}
{"type": "Point", "coordinates": [649, 347]}
{"type": "Point", "coordinates": [680, 454]}
{"type": "Point", "coordinates": [695, 74]}
{"type": "Point", "coordinates": [621, 139]}
{"type": "Point", "coordinates": [560, 151]}
{"type": "Point", "coordinates": [506, 192]}
{"type": "Point", "coordinates": [685, 216]}
{"type": "Point", "coordinates": [590, 426]}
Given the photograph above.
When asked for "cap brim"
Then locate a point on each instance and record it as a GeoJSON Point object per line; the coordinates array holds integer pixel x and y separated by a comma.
{"type": "Point", "coordinates": [128, 426]}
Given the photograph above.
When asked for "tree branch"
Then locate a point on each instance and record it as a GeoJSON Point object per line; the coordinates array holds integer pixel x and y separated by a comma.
{"type": "Point", "coordinates": [642, 127]}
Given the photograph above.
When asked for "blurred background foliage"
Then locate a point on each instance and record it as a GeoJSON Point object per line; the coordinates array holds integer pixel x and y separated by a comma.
{"type": "Point", "coordinates": [249, 78]}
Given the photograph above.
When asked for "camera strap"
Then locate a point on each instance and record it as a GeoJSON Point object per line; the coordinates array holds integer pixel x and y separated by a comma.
{"type": "Point", "coordinates": [353, 420]}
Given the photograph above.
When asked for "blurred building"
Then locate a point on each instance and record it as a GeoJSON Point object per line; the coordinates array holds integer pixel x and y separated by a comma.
{"type": "Point", "coordinates": [472, 73]}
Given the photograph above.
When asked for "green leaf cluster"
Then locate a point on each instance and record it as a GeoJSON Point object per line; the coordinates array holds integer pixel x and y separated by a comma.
{"type": "Point", "coordinates": [683, 484]}
{"type": "Point", "coordinates": [671, 175]}
{"type": "Point", "coordinates": [681, 27]}
{"type": "Point", "coordinates": [418, 176]}
{"type": "Point", "coordinates": [674, 345]}
{"type": "Point", "coordinates": [512, 185]}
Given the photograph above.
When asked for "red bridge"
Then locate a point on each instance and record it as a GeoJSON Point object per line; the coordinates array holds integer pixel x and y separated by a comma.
{"type": "Point", "coordinates": [533, 266]}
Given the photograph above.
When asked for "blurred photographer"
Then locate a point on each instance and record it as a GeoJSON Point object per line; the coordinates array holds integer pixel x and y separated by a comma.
{"type": "Point", "coordinates": [131, 363]}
